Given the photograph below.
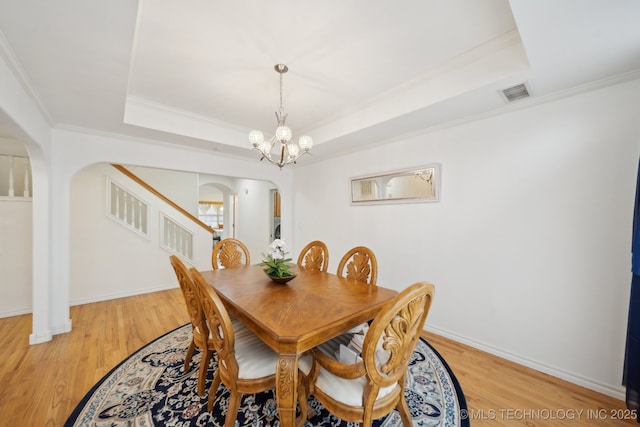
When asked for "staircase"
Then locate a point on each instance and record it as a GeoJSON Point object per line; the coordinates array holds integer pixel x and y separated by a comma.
{"type": "Point", "coordinates": [132, 212]}
{"type": "Point", "coordinates": [114, 197]}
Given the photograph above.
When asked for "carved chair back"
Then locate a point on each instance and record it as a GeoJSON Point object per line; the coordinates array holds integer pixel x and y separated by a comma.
{"type": "Point", "coordinates": [219, 323]}
{"type": "Point", "coordinates": [230, 253]}
{"type": "Point", "coordinates": [200, 331]}
{"type": "Point", "coordinates": [386, 352]}
{"type": "Point", "coordinates": [359, 264]}
{"type": "Point", "coordinates": [314, 256]}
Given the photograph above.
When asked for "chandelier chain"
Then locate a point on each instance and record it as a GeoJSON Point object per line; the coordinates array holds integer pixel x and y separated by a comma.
{"type": "Point", "coordinates": [281, 103]}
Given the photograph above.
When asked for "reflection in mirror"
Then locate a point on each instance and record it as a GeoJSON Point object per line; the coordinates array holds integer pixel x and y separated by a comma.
{"type": "Point", "coordinates": [419, 184]}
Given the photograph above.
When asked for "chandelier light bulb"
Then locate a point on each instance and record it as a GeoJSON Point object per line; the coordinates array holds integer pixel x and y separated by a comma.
{"type": "Point", "coordinates": [265, 147]}
{"type": "Point", "coordinates": [305, 143]}
{"type": "Point", "coordinates": [256, 138]}
{"type": "Point", "coordinates": [293, 150]}
{"type": "Point", "coordinates": [283, 134]}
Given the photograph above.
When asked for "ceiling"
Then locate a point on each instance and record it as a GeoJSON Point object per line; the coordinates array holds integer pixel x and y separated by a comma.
{"type": "Point", "coordinates": [199, 73]}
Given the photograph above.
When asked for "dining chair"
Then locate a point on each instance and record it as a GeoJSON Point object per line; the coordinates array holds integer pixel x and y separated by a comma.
{"type": "Point", "coordinates": [359, 263]}
{"type": "Point", "coordinates": [200, 330]}
{"type": "Point", "coordinates": [373, 386]}
{"type": "Point", "coordinates": [230, 253]}
{"type": "Point", "coordinates": [245, 363]}
{"type": "Point", "coordinates": [314, 256]}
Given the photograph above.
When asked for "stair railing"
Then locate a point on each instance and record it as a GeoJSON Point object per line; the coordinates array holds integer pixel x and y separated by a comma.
{"type": "Point", "coordinates": [11, 167]}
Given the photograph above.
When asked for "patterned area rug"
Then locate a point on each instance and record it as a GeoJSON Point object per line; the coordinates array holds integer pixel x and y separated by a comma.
{"type": "Point", "coordinates": [150, 389]}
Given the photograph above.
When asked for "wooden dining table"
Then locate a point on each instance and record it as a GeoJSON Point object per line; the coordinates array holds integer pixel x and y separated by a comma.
{"type": "Point", "coordinates": [295, 317]}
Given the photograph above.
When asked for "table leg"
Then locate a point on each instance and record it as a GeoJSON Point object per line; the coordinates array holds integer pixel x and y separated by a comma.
{"type": "Point", "coordinates": [286, 388]}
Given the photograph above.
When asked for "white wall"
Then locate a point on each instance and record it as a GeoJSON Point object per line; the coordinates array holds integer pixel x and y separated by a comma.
{"type": "Point", "coordinates": [119, 262]}
{"type": "Point", "coordinates": [180, 187]}
{"type": "Point", "coordinates": [75, 150]}
{"type": "Point", "coordinates": [15, 253]}
{"type": "Point", "coordinates": [111, 261]}
{"type": "Point", "coordinates": [529, 247]}
{"type": "Point", "coordinates": [253, 226]}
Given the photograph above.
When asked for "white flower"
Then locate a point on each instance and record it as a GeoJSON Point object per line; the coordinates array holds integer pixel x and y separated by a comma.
{"type": "Point", "coordinates": [277, 244]}
{"type": "Point", "coordinates": [277, 250]}
{"type": "Point", "coordinates": [276, 259]}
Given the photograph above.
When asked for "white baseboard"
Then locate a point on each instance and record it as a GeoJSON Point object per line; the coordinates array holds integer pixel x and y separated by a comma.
{"type": "Point", "coordinates": [40, 337]}
{"type": "Point", "coordinates": [131, 293]}
{"type": "Point", "coordinates": [18, 312]}
{"type": "Point", "coordinates": [81, 301]}
{"type": "Point", "coordinates": [617, 392]}
{"type": "Point", "coordinates": [65, 328]}
{"type": "Point", "coordinates": [44, 336]}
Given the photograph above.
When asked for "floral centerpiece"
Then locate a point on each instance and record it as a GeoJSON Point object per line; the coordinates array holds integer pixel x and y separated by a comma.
{"type": "Point", "coordinates": [276, 261]}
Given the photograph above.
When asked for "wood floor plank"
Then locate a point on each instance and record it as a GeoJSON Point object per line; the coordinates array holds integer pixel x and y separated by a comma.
{"type": "Point", "coordinates": [43, 383]}
{"type": "Point", "coordinates": [503, 393]}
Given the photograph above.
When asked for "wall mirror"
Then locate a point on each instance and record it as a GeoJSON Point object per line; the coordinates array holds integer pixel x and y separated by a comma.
{"type": "Point", "coordinates": [419, 184]}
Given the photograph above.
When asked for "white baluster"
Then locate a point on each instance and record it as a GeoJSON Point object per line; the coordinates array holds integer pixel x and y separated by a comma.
{"type": "Point", "coordinates": [127, 208]}
{"type": "Point", "coordinates": [144, 218]}
{"type": "Point", "coordinates": [26, 178]}
{"type": "Point", "coordinates": [140, 219]}
{"type": "Point", "coordinates": [174, 236]}
{"type": "Point", "coordinates": [167, 233]}
{"type": "Point", "coordinates": [120, 204]}
{"type": "Point", "coordinates": [136, 214]}
{"type": "Point", "coordinates": [113, 202]}
{"type": "Point", "coordinates": [11, 191]}
{"type": "Point", "coordinates": [189, 250]}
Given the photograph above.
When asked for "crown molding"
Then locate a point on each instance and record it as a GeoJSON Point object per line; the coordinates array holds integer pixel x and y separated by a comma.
{"type": "Point", "coordinates": [469, 58]}
{"type": "Point", "coordinates": [539, 100]}
{"type": "Point", "coordinates": [152, 115]}
{"type": "Point", "coordinates": [195, 145]}
{"type": "Point", "coordinates": [507, 108]}
{"type": "Point", "coordinates": [14, 64]}
{"type": "Point", "coordinates": [189, 115]}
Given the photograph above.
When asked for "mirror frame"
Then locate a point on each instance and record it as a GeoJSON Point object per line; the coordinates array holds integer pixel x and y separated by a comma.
{"type": "Point", "coordinates": [385, 177]}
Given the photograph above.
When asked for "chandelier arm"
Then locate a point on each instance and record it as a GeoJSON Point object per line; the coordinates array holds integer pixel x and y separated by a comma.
{"type": "Point", "coordinates": [280, 163]}
{"type": "Point", "coordinates": [267, 153]}
{"type": "Point", "coordinates": [300, 155]}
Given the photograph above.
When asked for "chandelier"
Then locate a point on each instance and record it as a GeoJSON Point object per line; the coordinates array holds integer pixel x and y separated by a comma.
{"type": "Point", "coordinates": [288, 150]}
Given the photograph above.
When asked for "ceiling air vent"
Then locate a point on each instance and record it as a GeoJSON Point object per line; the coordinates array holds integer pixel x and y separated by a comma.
{"type": "Point", "coordinates": [516, 92]}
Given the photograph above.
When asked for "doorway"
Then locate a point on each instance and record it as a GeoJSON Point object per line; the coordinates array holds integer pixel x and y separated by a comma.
{"type": "Point", "coordinates": [274, 215]}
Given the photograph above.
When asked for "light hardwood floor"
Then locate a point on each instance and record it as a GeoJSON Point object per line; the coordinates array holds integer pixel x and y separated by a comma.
{"type": "Point", "coordinates": [42, 384]}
